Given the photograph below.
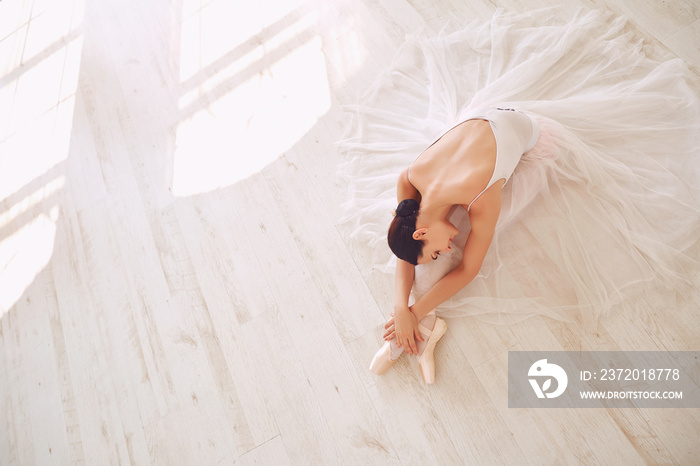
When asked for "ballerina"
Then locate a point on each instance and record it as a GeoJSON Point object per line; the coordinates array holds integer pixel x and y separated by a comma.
{"type": "Point", "coordinates": [602, 208]}
{"type": "Point", "coordinates": [467, 166]}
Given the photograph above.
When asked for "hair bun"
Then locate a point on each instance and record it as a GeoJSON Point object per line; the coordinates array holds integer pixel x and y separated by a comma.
{"type": "Point", "coordinates": [407, 208]}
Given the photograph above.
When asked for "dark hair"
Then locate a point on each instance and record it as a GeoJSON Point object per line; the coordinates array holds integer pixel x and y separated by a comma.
{"type": "Point", "coordinates": [401, 231]}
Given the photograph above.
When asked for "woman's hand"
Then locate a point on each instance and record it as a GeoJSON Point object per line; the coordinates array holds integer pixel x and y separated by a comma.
{"type": "Point", "coordinates": [404, 327]}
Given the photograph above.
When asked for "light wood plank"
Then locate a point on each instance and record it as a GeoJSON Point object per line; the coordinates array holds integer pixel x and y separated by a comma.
{"type": "Point", "coordinates": [270, 452]}
{"type": "Point", "coordinates": [42, 384]}
{"type": "Point", "coordinates": [306, 315]}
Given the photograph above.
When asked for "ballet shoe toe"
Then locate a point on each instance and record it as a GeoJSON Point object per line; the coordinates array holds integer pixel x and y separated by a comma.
{"type": "Point", "coordinates": [426, 361]}
{"type": "Point", "coordinates": [382, 360]}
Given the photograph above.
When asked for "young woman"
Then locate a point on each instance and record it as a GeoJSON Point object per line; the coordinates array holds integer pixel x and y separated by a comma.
{"type": "Point", "coordinates": [467, 166]}
{"type": "Point", "coordinates": [605, 206]}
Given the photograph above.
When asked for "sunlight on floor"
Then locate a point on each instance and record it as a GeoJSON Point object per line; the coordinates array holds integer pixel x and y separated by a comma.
{"type": "Point", "coordinates": [250, 90]}
{"type": "Point", "coordinates": [24, 254]}
{"type": "Point", "coordinates": [40, 54]}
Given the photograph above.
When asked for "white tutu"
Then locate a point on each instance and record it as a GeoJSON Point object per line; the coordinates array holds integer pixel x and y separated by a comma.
{"type": "Point", "coordinates": [607, 199]}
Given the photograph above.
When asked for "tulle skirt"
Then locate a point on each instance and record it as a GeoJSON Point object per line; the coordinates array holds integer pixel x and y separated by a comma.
{"type": "Point", "coordinates": [606, 203]}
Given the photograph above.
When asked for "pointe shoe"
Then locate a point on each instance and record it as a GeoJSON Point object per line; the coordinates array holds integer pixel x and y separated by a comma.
{"type": "Point", "coordinates": [382, 360]}
{"type": "Point", "coordinates": [426, 361]}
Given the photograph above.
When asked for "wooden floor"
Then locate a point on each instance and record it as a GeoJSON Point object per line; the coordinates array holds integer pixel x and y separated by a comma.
{"type": "Point", "coordinates": [175, 288]}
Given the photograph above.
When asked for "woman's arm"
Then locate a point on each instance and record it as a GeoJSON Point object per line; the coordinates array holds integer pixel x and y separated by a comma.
{"type": "Point", "coordinates": [404, 323]}
{"type": "Point", "coordinates": [483, 223]}
{"type": "Point", "coordinates": [404, 270]}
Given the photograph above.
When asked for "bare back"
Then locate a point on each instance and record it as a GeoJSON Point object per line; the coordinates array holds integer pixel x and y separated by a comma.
{"type": "Point", "coordinates": [458, 166]}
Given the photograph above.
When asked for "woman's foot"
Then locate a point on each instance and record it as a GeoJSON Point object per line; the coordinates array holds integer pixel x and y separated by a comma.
{"type": "Point", "coordinates": [385, 357]}
{"type": "Point", "coordinates": [426, 361]}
